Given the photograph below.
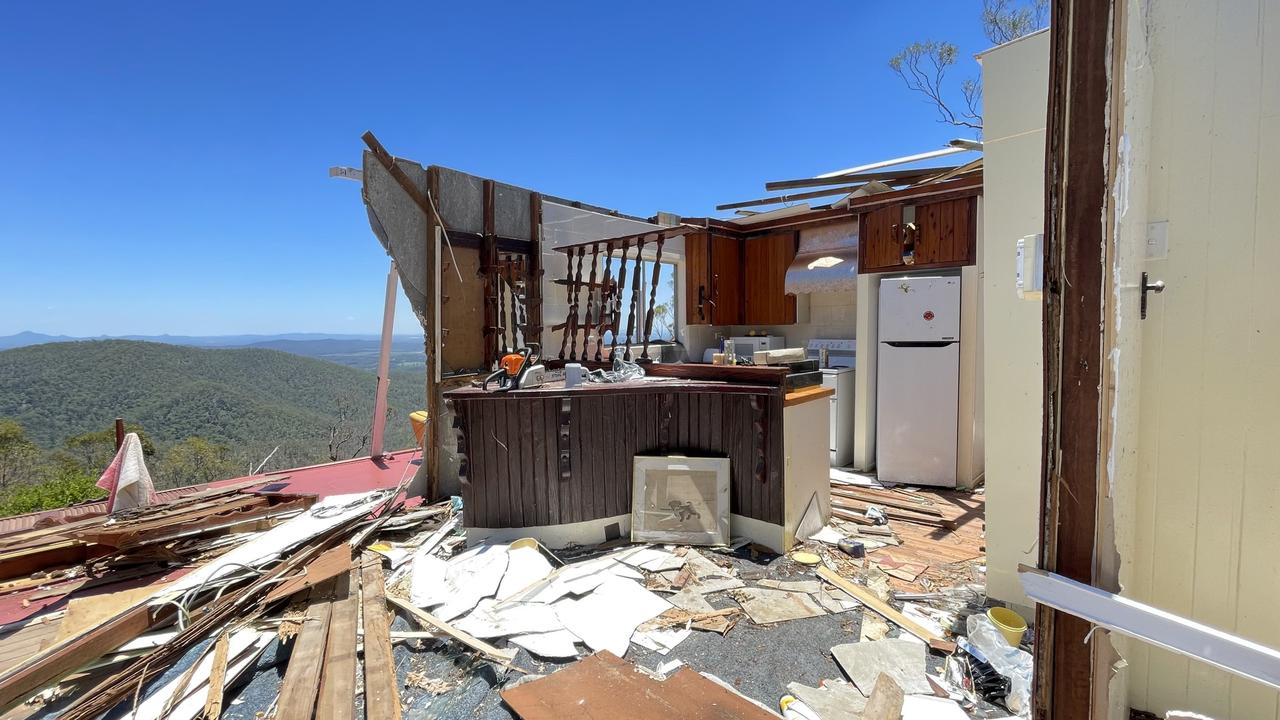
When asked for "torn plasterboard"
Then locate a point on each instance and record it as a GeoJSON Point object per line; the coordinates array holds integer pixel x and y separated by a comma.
{"type": "Point", "coordinates": [607, 618]}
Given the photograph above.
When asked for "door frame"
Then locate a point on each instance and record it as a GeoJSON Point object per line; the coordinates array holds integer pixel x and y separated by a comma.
{"type": "Point", "coordinates": [1070, 664]}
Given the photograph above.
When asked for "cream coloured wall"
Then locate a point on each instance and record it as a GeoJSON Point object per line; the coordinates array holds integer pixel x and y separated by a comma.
{"type": "Point", "coordinates": [1015, 79]}
{"type": "Point", "coordinates": [1202, 112]}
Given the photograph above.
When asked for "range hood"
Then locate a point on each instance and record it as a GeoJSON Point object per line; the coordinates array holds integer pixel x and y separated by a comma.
{"type": "Point", "coordinates": [826, 261]}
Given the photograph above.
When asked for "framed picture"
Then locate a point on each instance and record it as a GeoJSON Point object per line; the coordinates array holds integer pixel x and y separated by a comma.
{"type": "Point", "coordinates": [677, 499]}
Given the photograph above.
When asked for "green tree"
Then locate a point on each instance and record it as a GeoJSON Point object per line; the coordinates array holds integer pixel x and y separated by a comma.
{"type": "Point", "coordinates": [19, 456]}
{"type": "Point", "coordinates": [197, 460]}
{"type": "Point", "coordinates": [94, 450]}
{"type": "Point", "coordinates": [63, 482]}
{"type": "Point", "coordinates": [923, 65]}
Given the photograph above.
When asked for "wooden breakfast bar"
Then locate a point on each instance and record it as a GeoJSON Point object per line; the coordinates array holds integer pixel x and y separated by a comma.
{"type": "Point", "coordinates": [555, 463]}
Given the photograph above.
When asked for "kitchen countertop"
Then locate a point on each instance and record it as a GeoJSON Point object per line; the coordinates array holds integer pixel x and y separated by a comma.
{"type": "Point", "coordinates": [804, 395]}
{"type": "Point", "coordinates": [646, 385]}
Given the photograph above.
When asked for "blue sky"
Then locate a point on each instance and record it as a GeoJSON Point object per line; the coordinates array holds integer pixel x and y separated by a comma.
{"type": "Point", "coordinates": [165, 162]}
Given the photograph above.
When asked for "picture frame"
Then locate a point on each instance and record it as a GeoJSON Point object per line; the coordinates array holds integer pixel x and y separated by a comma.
{"type": "Point", "coordinates": [680, 499]}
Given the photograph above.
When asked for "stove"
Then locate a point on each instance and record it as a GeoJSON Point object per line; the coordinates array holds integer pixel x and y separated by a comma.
{"type": "Point", "coordinates": [842, 355]}
{"type": "Point", "coordinates": [838, 374]}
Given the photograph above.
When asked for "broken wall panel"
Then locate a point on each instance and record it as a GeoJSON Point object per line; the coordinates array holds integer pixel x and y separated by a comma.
{"type": "Point", "coordinates": [400, 225]}
{"type": "Point", "coordinates": [462, 312]}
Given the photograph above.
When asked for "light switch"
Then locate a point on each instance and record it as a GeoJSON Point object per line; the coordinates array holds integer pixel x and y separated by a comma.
{"type": "Point", "coordinates": [1029, 268]}
{"type": "Point", "coordinates": [1158, 240]}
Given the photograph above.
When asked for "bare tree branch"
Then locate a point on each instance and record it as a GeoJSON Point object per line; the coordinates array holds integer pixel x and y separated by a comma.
{"type": "Point", "coordinates": [923, 65]}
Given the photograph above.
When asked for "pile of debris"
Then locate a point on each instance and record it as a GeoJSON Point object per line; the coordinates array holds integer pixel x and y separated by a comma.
{"type": "Point", "coordinates": [245, 602]}
{"type": "Point", "coordinates": [162, 607]}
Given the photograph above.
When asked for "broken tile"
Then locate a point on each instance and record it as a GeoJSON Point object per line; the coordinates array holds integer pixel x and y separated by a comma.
{"type": "Point", "coordinates": [690, 600]}
{"type": "Point", "coordinates": [714, 585]}
{"type": "Point", "coordinates": [804, 586]}
{"type": "Point", "coordinates": [766, 606]}
{"type": "Point", "coordinates": [833, 700]}
{"type": "Point", "coordinates": [703, 568]}
{"type": "Point", "coordinates": [832, 602]}
{"type": "Point", "coordinates": [873, 628]}
{"type": "Point", "coordinates": [901, 660]}
{"type": "Point", "coordinates": [885, 702]}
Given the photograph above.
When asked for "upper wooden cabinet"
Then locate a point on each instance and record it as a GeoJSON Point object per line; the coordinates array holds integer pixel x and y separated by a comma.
{"type": "Point", "coordinates": [764, 279]}
{"type": "Point", "coordinates": [944, 234]}
{"type": "Point", "coordinates": [714, 279]}
{"type": "Point", "coordinates": [736, 281]}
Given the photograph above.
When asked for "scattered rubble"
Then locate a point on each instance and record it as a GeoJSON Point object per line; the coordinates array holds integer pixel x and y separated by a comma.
{"type": "Point", "coordinates": [176, 606]}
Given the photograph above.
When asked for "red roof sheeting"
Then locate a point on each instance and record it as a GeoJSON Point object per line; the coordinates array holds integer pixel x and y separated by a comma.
{"type": "Point", "coordinates": [335, 478]}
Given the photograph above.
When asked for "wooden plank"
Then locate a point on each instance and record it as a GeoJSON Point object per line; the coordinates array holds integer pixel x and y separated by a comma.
{"type": "Point", "coordinates": [866, 597]}
{"type": "Point", "coordinates": [306, 660]}
{"type": "Point", "coordinates": [217, 677]}
{"type": "Point", "coordinates": [502, 657]}
{"type": "Point", "coordinates": [338, 681]}
{"type": "Point", "coordinates": [328, 565]}
{"type": "Point", "coordinates": [381, 689]}
{"type": "Point", "coordinates": [604, 687]}
{"type": "Point", "coordinates": [17, 684]}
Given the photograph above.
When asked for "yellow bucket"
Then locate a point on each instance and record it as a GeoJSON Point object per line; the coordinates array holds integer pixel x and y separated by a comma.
{"type": "Point", "coordinates": [418, 418]}
{"type": "Point", "coordinates": [1009, 623]}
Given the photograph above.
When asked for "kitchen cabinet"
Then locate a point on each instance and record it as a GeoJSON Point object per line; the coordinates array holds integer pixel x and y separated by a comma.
{"type": "Point", "coordinates": [924, 236]}
{"type": "Point", "coordinates": [714, 279]}
{"type": "Point", "coordinates": [739, 281]}
{"type": "Point", "coordinates": [764, 279]}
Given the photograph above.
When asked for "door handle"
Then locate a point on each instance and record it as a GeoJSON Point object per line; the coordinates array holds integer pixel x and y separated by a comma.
{"type": "Point", "coordinates": [1156, 287]}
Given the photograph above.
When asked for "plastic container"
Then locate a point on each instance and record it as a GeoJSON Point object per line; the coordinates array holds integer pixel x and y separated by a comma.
{"type": "Point", "coordinates": [1009, 623]}
{"type": "Point", "coordinates": [418, 419]}
{"type": "Point", "coordinates": [794, 709]}
{"type": "Point", "coordinates": [1010, 662]}
{"type": "Point", "coordinates": [573, 375]}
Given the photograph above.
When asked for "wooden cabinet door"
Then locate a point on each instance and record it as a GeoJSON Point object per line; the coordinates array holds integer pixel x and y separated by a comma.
{"type": "Point", "coordinates": [946, 236]}
{"type": "Point", "coordinates": [713, 280]}
{"type": "Point", "coordinates": [880, 240]}
{"type": "Point", "coordinates": [946, 233]}
{"type": "Point", "coordinates": [725, 281]}
{"type": "Point", "coordinates": [697, 261]}
{"type": "Point", "coordinates": [764, 279]}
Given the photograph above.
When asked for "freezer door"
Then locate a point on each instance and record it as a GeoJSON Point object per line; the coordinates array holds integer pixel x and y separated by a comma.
{"type": "Point", "coordinates": [920, 309]}
{"type": "Point", "coordinates": [917, 404]}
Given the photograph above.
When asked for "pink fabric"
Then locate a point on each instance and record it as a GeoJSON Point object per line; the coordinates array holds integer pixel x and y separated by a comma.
{"type": "Point", "coordinates": [127, 478]}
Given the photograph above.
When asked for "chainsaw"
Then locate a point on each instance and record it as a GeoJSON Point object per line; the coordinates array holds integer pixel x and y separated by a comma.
{"type": "Point", "coordinates": [517, 370]}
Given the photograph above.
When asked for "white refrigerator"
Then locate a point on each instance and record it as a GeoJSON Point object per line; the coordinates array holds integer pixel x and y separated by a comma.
{"type": "Point", "coordinates": [917, 385]}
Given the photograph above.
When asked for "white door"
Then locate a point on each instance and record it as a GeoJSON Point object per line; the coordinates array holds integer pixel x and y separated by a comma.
{"type": "Point", "coordinates": [917, 407]}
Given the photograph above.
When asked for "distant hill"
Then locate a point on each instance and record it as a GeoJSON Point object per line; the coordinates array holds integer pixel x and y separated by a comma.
{"type": "Point", "coordinates": [406, 352]}
{"type": "Point", "coordinates": [27, 337]}
{"type": "Point", "coordinates": [359, 351]}
{"type": "Point", "coordinates": [251, 399]}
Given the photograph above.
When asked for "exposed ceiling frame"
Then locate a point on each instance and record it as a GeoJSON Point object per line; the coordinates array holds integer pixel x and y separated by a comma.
{"type": "Point", "coordinates": [905, 175]}
{"type": "Point", "coordinates": [896, 161]}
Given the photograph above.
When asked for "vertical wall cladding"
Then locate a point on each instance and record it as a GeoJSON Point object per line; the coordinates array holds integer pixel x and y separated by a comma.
{"type": "Point", "coordinates": [513, 476]}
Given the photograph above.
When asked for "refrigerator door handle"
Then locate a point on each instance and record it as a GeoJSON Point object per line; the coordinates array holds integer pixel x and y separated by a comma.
{"type": "Point", "coordinates": [919, 343]}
